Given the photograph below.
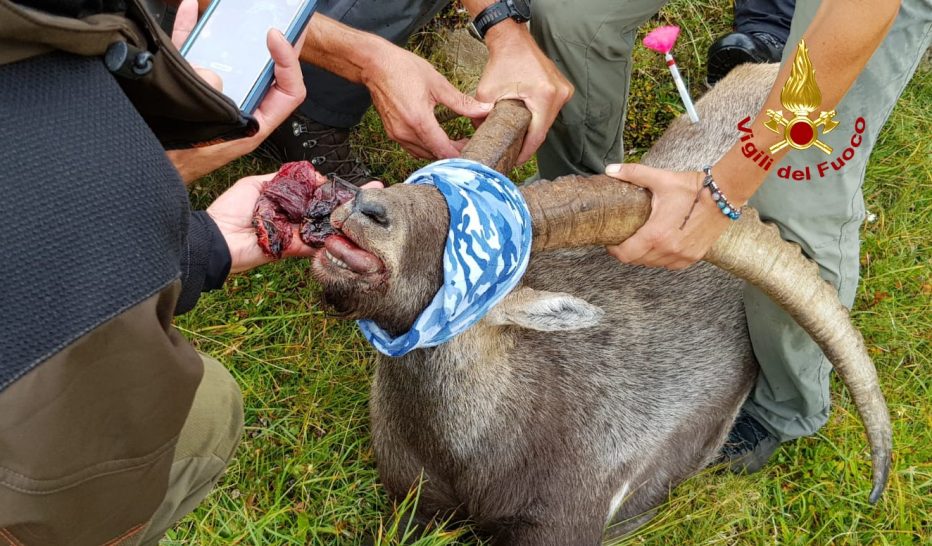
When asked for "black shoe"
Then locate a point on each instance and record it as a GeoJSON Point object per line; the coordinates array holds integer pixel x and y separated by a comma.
{"type": "Point", "coordinates": [738, 48]}
{"type": "Point", "coordinates": [748, 447]}
{"type": "Point", "coordinates": [327, 148]}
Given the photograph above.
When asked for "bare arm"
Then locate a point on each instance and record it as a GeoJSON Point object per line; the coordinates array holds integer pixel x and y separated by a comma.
{"type": "Point", "coordinates": [841, 39]}
{"type": "Point", "coordinates": [404, 87]}
{"type": "Point", "coordinates": [341, 49]}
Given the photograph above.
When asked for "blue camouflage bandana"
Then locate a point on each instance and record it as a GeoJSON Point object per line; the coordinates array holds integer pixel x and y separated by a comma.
{"type": "Point", "coordinates": [486, 253]}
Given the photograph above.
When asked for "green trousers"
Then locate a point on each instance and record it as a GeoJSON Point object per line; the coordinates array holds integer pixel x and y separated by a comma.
{"type": "Point", "coordinates": [205, 447]}
{"type": "Point", "coordinates": [116, 436]}
{"type": "Point", "coordinates": [591, 43]}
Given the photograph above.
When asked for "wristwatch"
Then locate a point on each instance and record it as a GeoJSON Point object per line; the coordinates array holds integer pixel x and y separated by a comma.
{"type": "Point", "coordinates": [518, 10]}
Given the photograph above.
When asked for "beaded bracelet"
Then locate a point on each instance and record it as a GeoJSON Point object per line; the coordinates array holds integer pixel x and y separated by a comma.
{"type": "Point", "coordinates": [727, 208]}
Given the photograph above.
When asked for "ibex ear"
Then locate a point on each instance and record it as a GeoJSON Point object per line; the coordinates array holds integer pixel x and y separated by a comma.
{"type": "Point", "coordinates": [544, 311]}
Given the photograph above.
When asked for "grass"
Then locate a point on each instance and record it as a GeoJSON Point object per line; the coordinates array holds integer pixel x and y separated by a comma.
{"type": "Point", "coordinates": [305, 472]}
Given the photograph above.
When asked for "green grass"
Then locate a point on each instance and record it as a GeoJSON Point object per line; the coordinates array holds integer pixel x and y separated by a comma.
{"type": "Point", "coordinates": [305, 471]}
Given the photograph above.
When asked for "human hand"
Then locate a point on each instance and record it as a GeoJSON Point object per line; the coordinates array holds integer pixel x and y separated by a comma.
{"type": "Point", "coordinates": [405, 88]}
{"type": "Point", "coordinates": [285, 95]}
{"type": "Point", "coordinates": [233, 212]}
{"type": "Point", "coordinates": [664, 241]}
{"type": "Point", "coordinates": [518, 69]}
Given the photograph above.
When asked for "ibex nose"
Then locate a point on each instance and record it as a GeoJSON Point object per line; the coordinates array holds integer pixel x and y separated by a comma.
{"type": "Point", "coordinates": [370, 208]}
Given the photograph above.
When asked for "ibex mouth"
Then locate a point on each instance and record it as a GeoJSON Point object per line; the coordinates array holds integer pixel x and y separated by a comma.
{"type": "Point", "coordinates": [341, 252]}
{"type": "Point", "coordinates": [343, 260]}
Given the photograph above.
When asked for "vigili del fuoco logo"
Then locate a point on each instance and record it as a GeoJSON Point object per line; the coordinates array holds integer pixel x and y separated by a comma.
{"type": "Point", "coordinates": [801, 96]}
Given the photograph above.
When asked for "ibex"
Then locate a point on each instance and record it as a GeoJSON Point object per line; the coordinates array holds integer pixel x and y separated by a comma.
{"type": "Point", "coordinates": [593, 388]}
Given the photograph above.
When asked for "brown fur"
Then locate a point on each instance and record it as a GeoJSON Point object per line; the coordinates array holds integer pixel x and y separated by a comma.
{"type": "Point", "coordinates": [527, 431]}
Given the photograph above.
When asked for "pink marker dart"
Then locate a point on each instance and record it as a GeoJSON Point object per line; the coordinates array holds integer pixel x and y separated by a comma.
{"type": "Point", "coordinates": [661, 40]}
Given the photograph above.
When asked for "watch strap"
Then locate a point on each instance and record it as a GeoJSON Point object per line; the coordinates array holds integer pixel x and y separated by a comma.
{"type": "Point", "coordinates": [489, 17]}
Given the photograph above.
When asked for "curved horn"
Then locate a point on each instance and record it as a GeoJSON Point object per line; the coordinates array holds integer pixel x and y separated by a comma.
{"type": "Point", "coordinates": [498, 140]}
{"type": "Point", "coordinates": [755, 252]}
{"type": "Point", "coordinates": [574, 211]}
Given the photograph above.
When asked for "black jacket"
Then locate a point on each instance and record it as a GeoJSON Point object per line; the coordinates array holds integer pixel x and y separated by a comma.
{"type": "Point", "coordinates": [99, 250]}
{"type": "Point", "coordinates": [93, 216]}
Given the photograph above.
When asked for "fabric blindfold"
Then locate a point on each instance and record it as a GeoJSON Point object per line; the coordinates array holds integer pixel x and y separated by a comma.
{"type": "Point", "coordinates": [486, 253]}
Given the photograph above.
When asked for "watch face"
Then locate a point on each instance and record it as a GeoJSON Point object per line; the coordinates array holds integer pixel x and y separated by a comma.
{"type": "Point", "coordinates": [523, 7]}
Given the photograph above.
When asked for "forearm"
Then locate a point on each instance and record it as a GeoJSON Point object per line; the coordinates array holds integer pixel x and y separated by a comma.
{"type": "Point", "coordinates": [841, 39]}
{"type": "Point", "coordinates": [349, 53]}
{"type": "Point", "coordinates": [336, 47]}
{"type": "Point", "coordinates": [193, 163]}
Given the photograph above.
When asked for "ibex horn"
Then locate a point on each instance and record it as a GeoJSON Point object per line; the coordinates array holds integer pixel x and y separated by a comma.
{"type": "Point", "coordinates": [574, 211]}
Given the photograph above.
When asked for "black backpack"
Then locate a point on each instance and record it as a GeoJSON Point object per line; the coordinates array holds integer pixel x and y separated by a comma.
{"type": "Point", "coordinates": [182, 110]}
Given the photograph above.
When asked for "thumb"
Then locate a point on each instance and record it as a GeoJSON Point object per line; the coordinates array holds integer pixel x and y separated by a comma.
{"type": "Point", "coordinates": [288, 77]}
{"type": "Point", "coordinates": [463, 104]}
{"type": "Point", "coordinates": [281, 51]}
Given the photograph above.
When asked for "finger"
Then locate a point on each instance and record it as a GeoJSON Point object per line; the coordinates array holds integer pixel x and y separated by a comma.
{"type": "Point", "coordinates": [658, 258]}
{"type": "Point", "coordinates": [667, 247]}
{"type": "Point", "coordinates": [245, 253]}
{"type": "Point", "coordinates": [635, 173]}
{"type": "Point", "coordinates": [415, 150]}
{"type": "Point", "coordinates": [259, 179]}
{"type": "Point", "coordinates": [432, 137]}
{"type": "Point", "coordinates": [461, 143]}
{"type": "Point", "coordinates": [209, 76]}
{"type": "Point", "coordinates": [428, 135]}
{"type": "Point", "coordinates": [536, 132]}
{"type": "Point", "coordinates": [402, 129]}
{"type": "Point", "coordinates": [462, 103]}
{"type": "Point", "coordinates": [288, 91]}
{"type": "Point", "coordinates": [662, 242]}
{"type": "Point", "coordinates": [544, 103]}
{"type": "Point", "coordinates": [288, 76]}
{"type": "Point", "coordinates": [185, 19]}
{"type": "Point", "coordinates": [251, 184]}
{"type": "Point", "coordinates": [373, 184]}
{"type": "Point", "coordinates": [241, 195]}
{"type": "Point", "coordinates": [540, 100]}
{"type": "Point", "coordinates": [632, 249]}
{"type": "Point", "coordinates": [679, 265]}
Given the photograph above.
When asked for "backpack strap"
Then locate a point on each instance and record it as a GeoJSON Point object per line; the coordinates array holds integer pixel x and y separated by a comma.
{"type": "Point", "coordinates": [180, 108]}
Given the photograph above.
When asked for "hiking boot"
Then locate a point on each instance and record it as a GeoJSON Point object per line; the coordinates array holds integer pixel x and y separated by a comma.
{"type": "Point", "coordinates": [327, 148]}
{"type": "Point", "coordinates": [738, 48]}
{"type": "Point", "coordinates": [749, 446]}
